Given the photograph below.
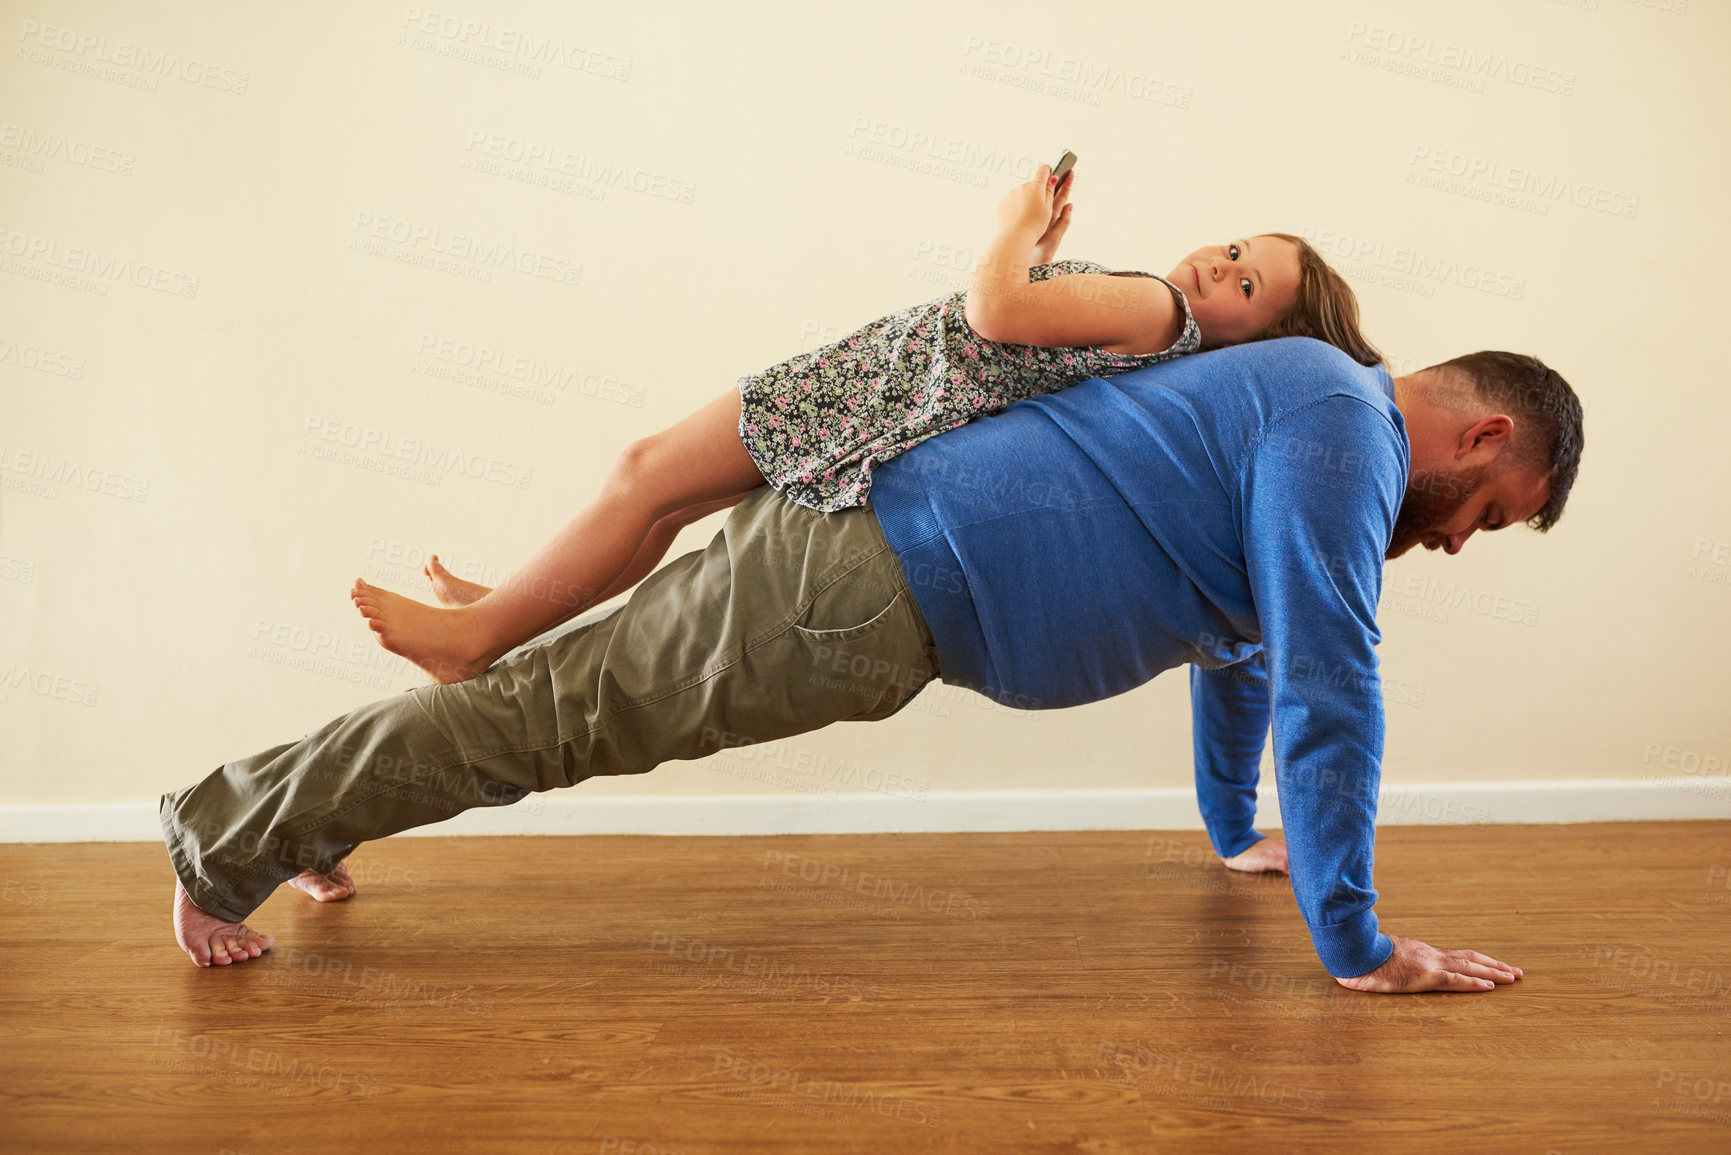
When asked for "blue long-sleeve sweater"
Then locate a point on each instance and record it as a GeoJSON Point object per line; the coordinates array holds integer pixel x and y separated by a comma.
{"type": "Point", "coordinates": [1229, 510]}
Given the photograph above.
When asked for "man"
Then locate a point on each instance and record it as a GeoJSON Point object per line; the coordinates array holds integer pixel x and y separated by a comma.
{"type": "Point", "coordinates": [1229, 510]}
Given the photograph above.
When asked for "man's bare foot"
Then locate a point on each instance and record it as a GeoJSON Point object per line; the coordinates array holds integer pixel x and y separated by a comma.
{"type": "Point", "coordinates": [450, 589]}
{"type": "Point", "coordinates": [1269, 855]}
{"type": "Point", "coordinates": [333, 887]}
{"type": "Point", "coordinates": [444, 643]}
{"type": "Point", "coordinates": [210, 940]}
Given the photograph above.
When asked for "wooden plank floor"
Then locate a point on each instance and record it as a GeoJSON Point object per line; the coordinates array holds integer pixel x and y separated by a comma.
{"type": "Point", "coordinates": [1078, 992]}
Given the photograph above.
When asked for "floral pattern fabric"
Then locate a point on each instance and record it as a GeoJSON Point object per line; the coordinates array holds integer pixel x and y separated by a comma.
{"type": "Point", "coordinates": [817, 424]}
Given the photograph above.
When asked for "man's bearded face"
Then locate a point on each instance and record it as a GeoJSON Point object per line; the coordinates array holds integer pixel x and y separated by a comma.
{"type": "Point", "coordinates": [1433, 499]}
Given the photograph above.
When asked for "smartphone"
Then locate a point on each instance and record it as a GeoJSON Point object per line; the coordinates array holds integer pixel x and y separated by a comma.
{"type": "Point", "coordinates": [1064, 165]}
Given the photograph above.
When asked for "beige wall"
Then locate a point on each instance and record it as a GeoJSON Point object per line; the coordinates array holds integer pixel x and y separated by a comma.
{"type": "Point", "coordinates": [192, 297]}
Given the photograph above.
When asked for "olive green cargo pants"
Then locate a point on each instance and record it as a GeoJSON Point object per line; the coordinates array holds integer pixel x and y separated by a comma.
{"type": "Point", "coordinates": [790, 620]}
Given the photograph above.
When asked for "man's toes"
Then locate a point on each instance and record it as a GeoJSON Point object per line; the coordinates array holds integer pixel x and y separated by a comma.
{"type": "Point", "coordinates": [332, 887]}
{"type": "Point", "coordinates": [227, 947]}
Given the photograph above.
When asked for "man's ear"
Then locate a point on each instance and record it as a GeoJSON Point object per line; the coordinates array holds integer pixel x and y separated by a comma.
{"type": "Point", "coordinates": [1485, 439]}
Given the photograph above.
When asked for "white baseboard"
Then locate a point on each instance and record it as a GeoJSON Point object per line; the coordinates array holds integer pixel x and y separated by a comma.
{"type": "Point", "coordinates": [569, 812]}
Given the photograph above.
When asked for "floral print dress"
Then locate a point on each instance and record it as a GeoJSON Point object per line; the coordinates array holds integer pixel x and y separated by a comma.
{"type": "Point", "coordinates": [817, 423]}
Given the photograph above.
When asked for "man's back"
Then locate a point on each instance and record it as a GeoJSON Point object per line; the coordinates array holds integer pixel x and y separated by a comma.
{"type": "Point", "coordinates": [1079, 543]}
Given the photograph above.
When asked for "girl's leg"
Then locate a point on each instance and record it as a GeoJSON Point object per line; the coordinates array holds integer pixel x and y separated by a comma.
{"type": "Point", "coordinates": [452, 590]}
{"type": "Point", "coordinates": [700, 460]}
{"type": "Point", "coordinates": [660, 540]}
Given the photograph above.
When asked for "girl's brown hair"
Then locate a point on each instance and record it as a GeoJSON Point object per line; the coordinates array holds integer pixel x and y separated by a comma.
{"type": "Point", "coordinates": [1326, 307]}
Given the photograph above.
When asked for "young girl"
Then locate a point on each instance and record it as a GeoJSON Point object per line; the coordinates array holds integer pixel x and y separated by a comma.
{"type": "Point", "coordinates": [815, 425]}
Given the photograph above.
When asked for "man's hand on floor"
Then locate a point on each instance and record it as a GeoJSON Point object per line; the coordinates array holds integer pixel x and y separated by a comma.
{"type": "Point", "coordinates": [1269, 854]}
{"type": "Point", "coordinates": [1415, 966]}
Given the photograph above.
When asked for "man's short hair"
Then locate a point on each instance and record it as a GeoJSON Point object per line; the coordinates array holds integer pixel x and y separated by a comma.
{"type": "Point", "coordinates": [1548, 435]}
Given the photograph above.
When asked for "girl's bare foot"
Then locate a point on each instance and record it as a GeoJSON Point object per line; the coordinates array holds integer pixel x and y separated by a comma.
{"type": "Point", "coordinates": [210, 940]}
{"type": "Point", "coordinates": [451, 589]}
{"type": "Point", "coordinates": [333, 887]}
{"type": "Point", "coordinates": [444, 643]}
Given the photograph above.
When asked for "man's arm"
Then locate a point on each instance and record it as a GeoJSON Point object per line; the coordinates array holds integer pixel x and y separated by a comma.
{"type": "Point", "coordinates": [1228, 723]}
{"type": "Point", "coordinates": [1321, 493]}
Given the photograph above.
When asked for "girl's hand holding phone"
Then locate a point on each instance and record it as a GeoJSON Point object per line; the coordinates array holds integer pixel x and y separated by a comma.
{"type": "Point", "coordinates": [1039, 209]}
{"type": "Point", "coordinates": [1046, 248]}
{"type": "Point", "coordinates": [1028, 206]}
